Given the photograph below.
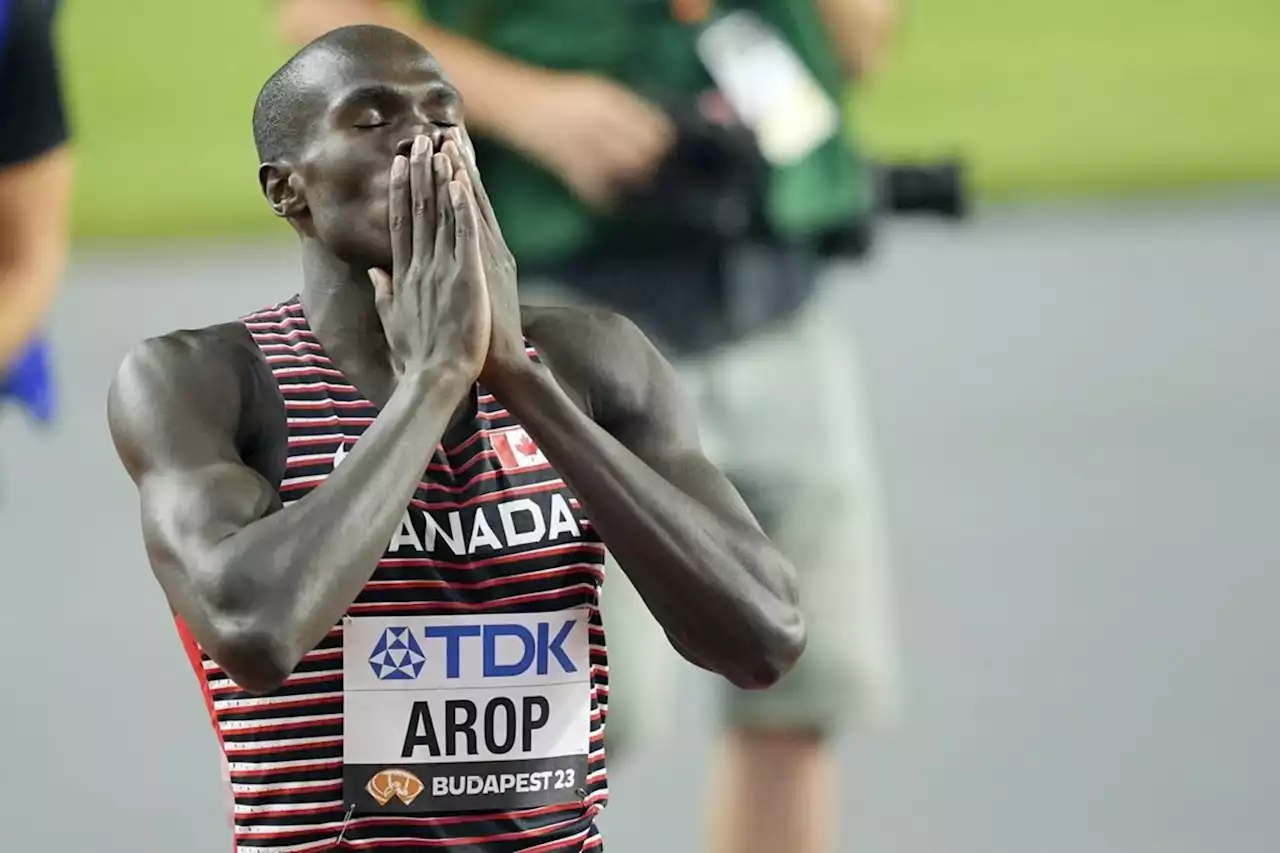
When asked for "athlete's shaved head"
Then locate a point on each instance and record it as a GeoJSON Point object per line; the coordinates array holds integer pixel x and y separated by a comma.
{"type": "Point", "coordinates": [329, 122]}
{"type": "Point", "coordinates": [291, 95]}
{"type": "Point", "coordinates": [276, 130]}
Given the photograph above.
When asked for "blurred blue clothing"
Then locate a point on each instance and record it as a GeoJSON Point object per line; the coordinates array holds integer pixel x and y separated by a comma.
{"type": "Point", "coordinates": [28, 381]}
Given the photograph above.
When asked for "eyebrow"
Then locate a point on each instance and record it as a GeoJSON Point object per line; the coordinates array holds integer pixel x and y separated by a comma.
{"type": "Point", "coordinates": [374, 91]}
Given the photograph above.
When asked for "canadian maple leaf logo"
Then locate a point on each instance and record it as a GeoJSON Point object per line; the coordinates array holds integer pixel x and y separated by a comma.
{"type": "Point", "coordinates": [516, 449]}
{"type": "Point", "coordinates": [526, 446]}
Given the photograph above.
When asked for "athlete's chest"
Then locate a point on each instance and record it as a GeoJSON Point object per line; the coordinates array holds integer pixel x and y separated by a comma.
{"type": "Point", "coordinates": [490, 518]}
{"type": "Point", "coordinates": [492, 500]}
{"type": "Point", "coordinates": [490, 523]}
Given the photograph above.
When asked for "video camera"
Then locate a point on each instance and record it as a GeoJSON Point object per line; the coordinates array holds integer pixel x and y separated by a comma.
{"type": "Point", "coordinates": [712, 186]}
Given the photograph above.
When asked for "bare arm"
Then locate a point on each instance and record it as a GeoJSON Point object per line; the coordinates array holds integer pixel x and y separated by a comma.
{"type": "Point", "coordinates": [34, 197]}
{"type": "Point", "coordinates": [861, 31]}
{"type": "Point", "coordinates": [258, 584]}
{"type": "Point", "coordinates": [35, 175]}
{"type": "Point", "coordinates": [724, 594]}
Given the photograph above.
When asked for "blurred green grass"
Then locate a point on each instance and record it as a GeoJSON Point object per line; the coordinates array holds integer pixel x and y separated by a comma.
{"type": "Point", "coordinates": [1091, 97]}
{"type": "Point", "coordinates": [162, 98]}
{"type": "Point", "coordinates": [1088, 97]}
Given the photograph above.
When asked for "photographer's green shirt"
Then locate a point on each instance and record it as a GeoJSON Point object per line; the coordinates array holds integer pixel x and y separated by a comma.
{"type": "Point", "coordinates": [639, 44]}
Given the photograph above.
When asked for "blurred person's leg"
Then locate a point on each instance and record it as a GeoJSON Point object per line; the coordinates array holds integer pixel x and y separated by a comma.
{"type": "Point", "coordinates": [786, 414]}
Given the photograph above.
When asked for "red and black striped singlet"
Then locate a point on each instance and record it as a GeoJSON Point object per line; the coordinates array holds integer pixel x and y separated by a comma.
{"type": "Point", "coordinates": [283, 752]}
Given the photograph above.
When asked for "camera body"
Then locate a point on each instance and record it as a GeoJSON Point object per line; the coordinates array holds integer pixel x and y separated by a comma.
{"type": "Point", "coordinates": [712, 184]}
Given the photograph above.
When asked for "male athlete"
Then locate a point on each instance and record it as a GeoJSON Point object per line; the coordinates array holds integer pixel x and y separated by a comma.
{"type": "Point", "coordinates": [363, 503]}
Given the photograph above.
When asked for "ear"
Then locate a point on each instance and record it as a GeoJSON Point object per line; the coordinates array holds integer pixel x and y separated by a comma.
{"type": "Point", "coordinates": [283, 189]}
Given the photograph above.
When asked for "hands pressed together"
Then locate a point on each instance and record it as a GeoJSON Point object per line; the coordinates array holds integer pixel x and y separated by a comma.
{"type": "Point", "coordinates": [449, 302]}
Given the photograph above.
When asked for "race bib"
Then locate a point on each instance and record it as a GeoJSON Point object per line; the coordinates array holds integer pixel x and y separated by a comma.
{"type": "Point", "coordinates": [465, 713]}
{"type": "Point", "coordinates": [769, 87]}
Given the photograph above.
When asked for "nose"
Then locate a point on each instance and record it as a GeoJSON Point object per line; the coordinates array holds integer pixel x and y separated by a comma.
{"type": "Point", "coordinates": [434, 132]}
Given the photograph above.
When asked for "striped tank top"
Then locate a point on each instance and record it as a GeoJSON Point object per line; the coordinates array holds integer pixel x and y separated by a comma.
{"type": "Point", "coordinates": [283, 752]}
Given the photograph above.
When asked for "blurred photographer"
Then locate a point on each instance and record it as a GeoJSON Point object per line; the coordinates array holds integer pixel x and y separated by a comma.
{"type": "Point", "coordinates": [35, 192]}
{"type": "Point", "coordinates": [683, 163]}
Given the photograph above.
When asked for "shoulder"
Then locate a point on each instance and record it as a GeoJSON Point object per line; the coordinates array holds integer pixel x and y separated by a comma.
{"type": "Point", "coordinates": [596, 337]}
{"type": "Point", "coordinates": [190, 381]}
{"type": "Point", "coordinates": [630, 387]}
{"type": "Point", "coordinates": [575, 321]}
{"type": "Point", "coordinates": [188, 359]}
{"type": "Point", "coordinates": [592, 346]}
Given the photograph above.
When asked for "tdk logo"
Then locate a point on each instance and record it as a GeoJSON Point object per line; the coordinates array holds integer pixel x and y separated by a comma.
{"type": "Point", "coordinates": [506, 650]}
{"type": "Point", "coordinates": [397, 656]}
{"type": "Point", "coordinates": [539, 648]}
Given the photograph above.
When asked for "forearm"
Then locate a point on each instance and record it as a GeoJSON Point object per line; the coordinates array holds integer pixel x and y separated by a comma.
{"type": "Point", "coordinates": [860, 32]}
{"type": "Point", "coordinates": [34, 201]}
{"type": "Point", "coordinates": [26, 292]}
{"type": "Point", "coordinates": [491, 84]}
{"type": "Point", "coordinates": [297, 571]}
{"type": "Point", "coordinates": [721, 590]}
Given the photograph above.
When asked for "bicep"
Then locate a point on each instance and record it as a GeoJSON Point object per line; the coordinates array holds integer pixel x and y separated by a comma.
{"type": "Point", "coordinates": [189, 512]}
{"type": "Point", "coordinates": [174, 426]}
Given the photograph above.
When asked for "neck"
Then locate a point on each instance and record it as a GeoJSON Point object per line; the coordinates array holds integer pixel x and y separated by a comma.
{"type": "Point", "coordinates": [338, 299]}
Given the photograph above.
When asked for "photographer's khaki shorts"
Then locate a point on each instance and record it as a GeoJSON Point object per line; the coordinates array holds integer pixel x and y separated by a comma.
{"type": "Point", "coordinates": [783, 414]}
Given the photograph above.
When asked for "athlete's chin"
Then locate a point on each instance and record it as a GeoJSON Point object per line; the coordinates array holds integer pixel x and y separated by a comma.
{"type": "Point", "coordinates": [374, 259]}
{"type": "Point", "coordinates": [362, 252]}
{"type": "Point", "coordinates": [367, 242]}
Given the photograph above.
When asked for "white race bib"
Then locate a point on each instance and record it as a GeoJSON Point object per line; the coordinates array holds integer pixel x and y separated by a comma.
{"type": "Point", "coordinates": [769, 87]}
{"type": "Point", "coordinates": [465, 713]}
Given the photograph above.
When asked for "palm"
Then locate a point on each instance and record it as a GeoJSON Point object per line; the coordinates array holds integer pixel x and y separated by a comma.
{"type": "Point", "coordinates": [499, 265]}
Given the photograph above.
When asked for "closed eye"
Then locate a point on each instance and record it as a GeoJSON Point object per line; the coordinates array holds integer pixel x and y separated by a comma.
{"type": "Point", "coordinates": [369, 117]}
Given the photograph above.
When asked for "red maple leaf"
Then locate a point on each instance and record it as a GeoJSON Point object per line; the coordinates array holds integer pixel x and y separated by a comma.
{"type": "Point", "coordinates": [526, 445]}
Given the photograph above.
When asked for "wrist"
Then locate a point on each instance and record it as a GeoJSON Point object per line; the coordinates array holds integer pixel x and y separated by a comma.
{"type": "Point", "coordinates": [446, 379]}
{"type": "Point", "coordinates": [511, 375]}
